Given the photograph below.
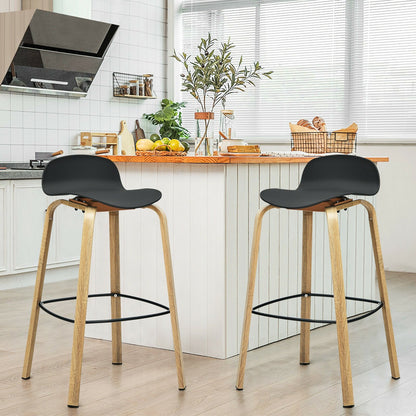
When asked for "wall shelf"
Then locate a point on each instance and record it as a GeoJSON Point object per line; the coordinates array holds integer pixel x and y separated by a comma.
{"type": "Point", "coordinates": [140, 97]}
{"type": "Point", "coordinates": [133, 86]}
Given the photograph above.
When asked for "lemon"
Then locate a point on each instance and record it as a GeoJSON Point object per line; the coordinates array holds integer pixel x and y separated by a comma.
{"type": "Point", "coordinates": [144, 145]}
{"type": "Point", "coordinates": [159, 145]}
{"type": "Point", "coordinates": [166, 140]}
{"type": "Point", "coordinates": [175, 145]}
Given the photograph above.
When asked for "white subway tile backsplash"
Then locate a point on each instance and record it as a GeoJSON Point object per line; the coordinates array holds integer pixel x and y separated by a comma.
{"type": "Point", "coordinates": [31, 122]}
{"type": "Point", "coordinates": [28, 120]}
{"type": "Point", "coordinates": [63, 105]}
{"type": "Point", "coordinates": [4, 137]}
{"type": "Point", "coordinates": [40, 104]}
{"type": "Point", "coordinates": [29, 137]}
{"type": "Point", "coordinates": [16, 152]}
{"type": "Point", "coordinates": [63, 121]}
{"type": "Point", "coordinates": [5, 152]}
{"type": "Point", "coordinates": [52, 137]}
{"type": "Point", "coordinates": [29, 151]}
{"type": "Point", "coordinates": [52, 104]}
{"type": "Point", "coordinates": [74, 121]}
{"type": "Point", "coordinates": [4, 118]}
{"type": "Point", "coordinates": [40, 121]}
{"type": "Point", "coordinates": [16, 119]}
{"type": "Point", "coordinates": [4, 101]}
{"type": "Point", "coordinates": [17, 136]}
{"type": "Point", "coordinates": [16, 101]}
{"type": "Point", "coordinates": [40, 137]}
{"type": "Point", "coordinates": [28, 102]}
{"type": "Point", "coordinates": [52, 121]}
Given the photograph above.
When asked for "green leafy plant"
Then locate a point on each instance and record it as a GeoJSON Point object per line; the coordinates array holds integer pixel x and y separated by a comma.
{"type": "Point", "coordinates": [211, 76]}
{"type": "Point", "coordinates": [169, 118]}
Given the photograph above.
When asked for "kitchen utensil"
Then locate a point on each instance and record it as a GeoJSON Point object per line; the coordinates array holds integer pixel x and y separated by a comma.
{"type": "Point", "coordinates": [126, 140]}
{"type": "Point", "coordinates": [16, 81]}
{"type": "Point", "coordinates": [102, 151]}
{"type": "Point", "coordinates": [139, 132]}
{"type": "Point", "coordinates": [47, 155]}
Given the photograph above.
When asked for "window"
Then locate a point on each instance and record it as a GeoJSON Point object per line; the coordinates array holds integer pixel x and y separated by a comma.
{"type": "Point", "coordinates": [345, 60]}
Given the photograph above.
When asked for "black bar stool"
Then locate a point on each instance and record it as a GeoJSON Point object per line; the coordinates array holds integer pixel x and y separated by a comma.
{"type": "Point", "coordinates": [324, 184]}
{"type": "Point", "coordinates": [97, 183]}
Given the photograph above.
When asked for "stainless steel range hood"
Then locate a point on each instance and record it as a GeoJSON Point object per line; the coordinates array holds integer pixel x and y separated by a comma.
{"type": "Point", "coordinates": [51, 53]}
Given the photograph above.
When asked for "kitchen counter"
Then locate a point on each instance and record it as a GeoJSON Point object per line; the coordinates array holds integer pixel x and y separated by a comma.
{"type": "Point", "coordinates": [211, 203]}
{"type": "Point", "coordinates": [221, 160]}
{"type": "Point", "coordinates": [26, 173]}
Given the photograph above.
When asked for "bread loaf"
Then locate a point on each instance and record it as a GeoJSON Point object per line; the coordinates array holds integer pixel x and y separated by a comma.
{"type": "Point", "coordinates": [319, 123]}
{"type": "Point", "coordinates": [295, 128]}
{"type": "Point", "coordinates": [305, 123]}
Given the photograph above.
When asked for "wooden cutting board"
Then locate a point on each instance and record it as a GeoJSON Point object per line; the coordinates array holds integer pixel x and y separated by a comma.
{"type": "Point", "coordinates": [126, 140]}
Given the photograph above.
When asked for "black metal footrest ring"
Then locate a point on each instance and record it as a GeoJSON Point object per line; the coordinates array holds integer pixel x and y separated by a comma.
{"type": "Point", "coordinates": [319, 321]}
{"type": "Point", "coordinates": [102, 321]}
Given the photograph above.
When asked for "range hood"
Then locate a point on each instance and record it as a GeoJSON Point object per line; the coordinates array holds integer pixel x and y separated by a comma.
{"type": "Point", "coordinates": [51, 53]}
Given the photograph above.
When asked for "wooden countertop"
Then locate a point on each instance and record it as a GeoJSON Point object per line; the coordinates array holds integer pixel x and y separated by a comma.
{"type": "Point", "coordinates": [223, 160]}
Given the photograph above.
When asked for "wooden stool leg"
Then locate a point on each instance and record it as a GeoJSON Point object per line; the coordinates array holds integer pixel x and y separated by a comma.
{"type": "Point", "coordinates": [171, 295]}
{"type": "Point", "coordinates": [37, 297]}
{"type": "Point", "coordinates": [306, 287]}
{"type": "Point", "coordinates": [340, 307]}
{"type": "Point", "coordinates": [249, 297]}
{"type": "Point", "coordinates": [381, 278]}
{"type": "Point", "coordinates": [81, 307]}
{"type": "Point", "coordinates": [115, 286]}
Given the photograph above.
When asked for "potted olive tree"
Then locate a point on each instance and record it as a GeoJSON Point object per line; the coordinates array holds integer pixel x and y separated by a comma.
{"type": "Point", "coordinates": [211, 76]}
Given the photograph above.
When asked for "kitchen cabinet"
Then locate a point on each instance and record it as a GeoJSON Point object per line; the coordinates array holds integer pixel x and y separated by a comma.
{"type": "Point", "coordinates": [21, 228]}
{"type": "Point", "coordinates": [4, 226]}
{"type": "Point", "coordinates": [210, 204]}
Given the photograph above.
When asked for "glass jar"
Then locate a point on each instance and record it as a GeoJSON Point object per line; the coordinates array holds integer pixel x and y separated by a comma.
{"type": "Point", "coordinates": [205, 143]}
{"type": "Point", "coordinates": [226, 129]}
{"type": "Point", "coordinates": [140, 86]}
{"type": "Point", "coordinates": [124, 89]}
{"type": "Point", "coordinates": [133, 86]}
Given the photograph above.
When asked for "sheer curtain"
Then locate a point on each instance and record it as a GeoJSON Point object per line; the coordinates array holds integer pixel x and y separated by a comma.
{"type": "Point", "coordinates": [345, 60]}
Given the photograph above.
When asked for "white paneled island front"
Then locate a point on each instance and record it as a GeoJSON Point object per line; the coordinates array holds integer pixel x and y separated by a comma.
{"type": "Point", "coordinates": [211, 203]}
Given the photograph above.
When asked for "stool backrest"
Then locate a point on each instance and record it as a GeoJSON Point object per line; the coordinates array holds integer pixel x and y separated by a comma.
{"type": "Point", "coordinates": [347, 174]}
{"type": "Point", "coordinates": [78, 174]}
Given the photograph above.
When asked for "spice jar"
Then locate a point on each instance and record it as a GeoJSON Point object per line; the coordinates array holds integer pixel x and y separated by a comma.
{"type": "Point", "coordinates": [133, 86]}
{"type": "Point", "coordinates": [124, 89]}
{"type": "Point", "coordinates": [141, 86]}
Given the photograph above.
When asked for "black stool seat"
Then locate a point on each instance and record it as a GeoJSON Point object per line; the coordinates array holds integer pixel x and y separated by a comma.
{"type": "Point", "coordinates": [325, 178]}
{"type": "Point", "coordinates": [96, 178]}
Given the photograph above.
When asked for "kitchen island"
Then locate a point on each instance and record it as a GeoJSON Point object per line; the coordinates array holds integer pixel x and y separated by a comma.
{"type": "Point", "coordinates": [210, 204]}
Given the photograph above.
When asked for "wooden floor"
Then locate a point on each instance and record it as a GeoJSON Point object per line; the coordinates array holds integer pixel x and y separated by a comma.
{"type": "Point", "coordinates": [146, 382]}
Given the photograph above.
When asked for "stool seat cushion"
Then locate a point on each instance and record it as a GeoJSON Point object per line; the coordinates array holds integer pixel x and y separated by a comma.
{"type": "Point", "coordinates": [327, 177]}
{"type": "Point", "coordinates": [96, 178]}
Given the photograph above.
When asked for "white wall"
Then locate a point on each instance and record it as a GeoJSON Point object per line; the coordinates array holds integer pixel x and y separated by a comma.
{"type": "Point", "coordinates": [30, 122]}
{"type": "Point", "coordinates": [395, 202]}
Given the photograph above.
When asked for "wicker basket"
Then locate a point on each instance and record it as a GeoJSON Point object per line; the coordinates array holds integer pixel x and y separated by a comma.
{"type": "Point", "coordinates": [324, 142]}
{"type": "Point", "coordinates": [160, 153]}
